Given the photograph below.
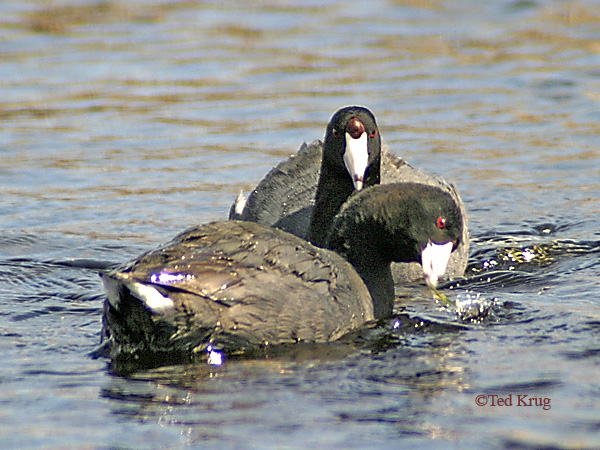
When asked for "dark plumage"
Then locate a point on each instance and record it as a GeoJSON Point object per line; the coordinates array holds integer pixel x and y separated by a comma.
{"type": "Point", "coordinates": [238, 285]}
{"type": "Point", "coordinates": [287, 196]}
{"type": "Point", "coordinates": [351, 161]}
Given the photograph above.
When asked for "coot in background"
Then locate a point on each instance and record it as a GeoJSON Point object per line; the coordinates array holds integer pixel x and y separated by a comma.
{"type": "Point", "coordinates": [352, 159]}
{"type": "Point", "coordinates": [286, 197]}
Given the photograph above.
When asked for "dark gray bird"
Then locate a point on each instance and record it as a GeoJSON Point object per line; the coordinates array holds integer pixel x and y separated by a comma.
{"type": "Point", "coordinates": [237, 286]}
{"type": "Point", "coordinates": [303, 193]}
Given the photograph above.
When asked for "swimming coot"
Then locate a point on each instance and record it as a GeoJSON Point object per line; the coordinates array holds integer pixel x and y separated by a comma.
{"type": "Point", "coordinates": [302, 194]}
{"type": "Point", "coordinates": [237, 286]}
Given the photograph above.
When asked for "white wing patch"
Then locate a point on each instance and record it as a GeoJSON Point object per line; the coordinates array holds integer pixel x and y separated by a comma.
{"type": "Point", "coordinates": [150, 296]}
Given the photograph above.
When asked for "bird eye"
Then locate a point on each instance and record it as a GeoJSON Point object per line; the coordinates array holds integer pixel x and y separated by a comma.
{"type": "Point", "coordinates": [336, 134]}
{"type": "Point", "coordinates": [441, 223]}
{"type": "Point", "coordinates": [373, 133]}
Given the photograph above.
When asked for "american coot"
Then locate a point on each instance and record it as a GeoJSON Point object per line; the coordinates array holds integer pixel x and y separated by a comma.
{"type": "Point", "coordinates": [238, 286]}
{"type": "Point", "coordinates": [307, 186]}
{"type": "Point", "coordinates": [294, 198]}
{"type": "Point", "coordinates": [352, 159]}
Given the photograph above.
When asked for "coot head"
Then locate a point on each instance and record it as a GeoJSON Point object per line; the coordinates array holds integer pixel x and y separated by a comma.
{"type": "Point", "coordinates": [351, 160]}
{"type": "Point", "coordinates": [352, 143]}
{"type": "Point", "coordinates": [399, 222]}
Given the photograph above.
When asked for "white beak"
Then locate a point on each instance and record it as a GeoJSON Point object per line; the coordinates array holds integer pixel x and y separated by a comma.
{"type": "Point", "coordinates": [434, 259]}
{"type": "Point", "coordinates": [356, 158]}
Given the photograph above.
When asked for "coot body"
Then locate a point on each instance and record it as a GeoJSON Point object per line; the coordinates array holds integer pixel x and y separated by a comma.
{"type": "Point", "coordinates": [237, 285]}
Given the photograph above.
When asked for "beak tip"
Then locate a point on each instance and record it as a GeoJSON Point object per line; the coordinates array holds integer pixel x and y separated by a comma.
{"type": "Point", "coordinates": [431, 280]}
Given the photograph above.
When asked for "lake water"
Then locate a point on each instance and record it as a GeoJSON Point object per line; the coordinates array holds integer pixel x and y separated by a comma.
{"type": "Point", "coordinates": [122, 123]}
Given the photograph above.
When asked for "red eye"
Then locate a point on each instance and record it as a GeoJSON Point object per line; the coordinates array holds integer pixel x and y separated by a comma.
{"type": "Point", "coordinates": [336, 134]}
{"type": "Point", "coordinates": [441, 223]}
{"type": "Point", "coordinates": [373, 133]}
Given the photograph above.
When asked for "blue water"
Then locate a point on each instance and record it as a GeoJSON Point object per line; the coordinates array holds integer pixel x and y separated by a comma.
{"type": "Point", "coordinates": [122, 123]}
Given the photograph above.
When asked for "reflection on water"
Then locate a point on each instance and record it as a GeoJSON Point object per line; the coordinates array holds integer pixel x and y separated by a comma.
{"type": "Point", "coordinates": [125, 122]}
{"type": "Point", "coordinates": [209, 403]}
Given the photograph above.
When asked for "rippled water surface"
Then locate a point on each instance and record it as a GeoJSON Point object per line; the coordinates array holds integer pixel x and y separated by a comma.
{"type": "Point", "coordinates": [123, 123]}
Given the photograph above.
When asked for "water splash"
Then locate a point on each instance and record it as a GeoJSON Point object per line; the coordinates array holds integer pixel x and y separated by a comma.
{"type": "Point", "coordinates": [473, 307]}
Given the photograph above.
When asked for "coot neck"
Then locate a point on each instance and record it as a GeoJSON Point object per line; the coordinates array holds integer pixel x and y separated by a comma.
{"type": "Point", "coordinates": [333, 189]}
{"type": "Point", "coordinates": [380, 283]}
{"type": "Point", "coordinates": [368, 251]}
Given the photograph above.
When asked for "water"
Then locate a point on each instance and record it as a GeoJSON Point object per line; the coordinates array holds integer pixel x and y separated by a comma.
{"type": "Point", "coordinates": [125, 122]}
